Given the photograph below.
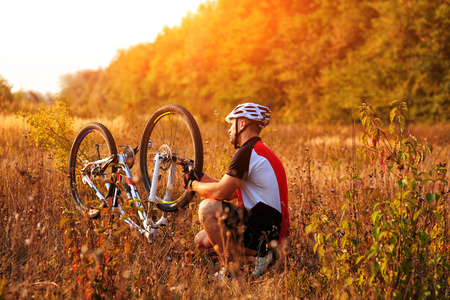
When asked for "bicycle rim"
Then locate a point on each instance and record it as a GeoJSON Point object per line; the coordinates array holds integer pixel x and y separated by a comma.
{"type": "Point", "coordinates": [93, 142]}
{"type": "Point", "coordinates": [173, 132]}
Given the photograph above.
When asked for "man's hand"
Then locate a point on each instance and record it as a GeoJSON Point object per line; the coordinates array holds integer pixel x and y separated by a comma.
{"type": "Point", "coordinates": [190, 175]}
{"type": "Point", "coordinates": [186, 165]}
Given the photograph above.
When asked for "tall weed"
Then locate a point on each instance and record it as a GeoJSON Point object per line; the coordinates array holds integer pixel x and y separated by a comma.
{"type": "Point", "coordinates": [398, 246]}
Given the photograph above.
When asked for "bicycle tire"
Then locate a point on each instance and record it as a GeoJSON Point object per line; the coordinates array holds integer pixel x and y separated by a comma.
{"type": "Point", "coordinates": [93, 142]}
{"type": "Point", "coordinates": [173, 130]}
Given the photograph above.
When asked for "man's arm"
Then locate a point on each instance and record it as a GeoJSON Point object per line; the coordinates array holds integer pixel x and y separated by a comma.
{"type": "Point", "coordinates": [225, 189]}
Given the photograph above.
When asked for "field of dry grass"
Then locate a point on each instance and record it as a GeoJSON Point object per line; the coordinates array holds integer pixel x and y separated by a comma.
{"type": "Point", "coordinates": [48, 250]}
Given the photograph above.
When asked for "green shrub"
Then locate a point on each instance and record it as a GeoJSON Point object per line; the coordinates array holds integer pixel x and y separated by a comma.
{"type": "Point", "coordinates": [52, 130]}
{"type": "Point", "coordinates": [394, 251]}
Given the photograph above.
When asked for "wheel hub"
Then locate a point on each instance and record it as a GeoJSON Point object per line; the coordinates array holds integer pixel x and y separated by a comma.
{"type": "Point", "coordinates": [165, 151]}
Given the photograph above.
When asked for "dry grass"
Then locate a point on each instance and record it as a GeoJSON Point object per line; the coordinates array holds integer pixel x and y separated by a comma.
{"type": "Point", "coordinates": [40, 258]}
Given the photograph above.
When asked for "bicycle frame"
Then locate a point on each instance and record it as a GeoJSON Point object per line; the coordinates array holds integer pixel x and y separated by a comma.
{"type": "Point", "coordinates": [124, 177]}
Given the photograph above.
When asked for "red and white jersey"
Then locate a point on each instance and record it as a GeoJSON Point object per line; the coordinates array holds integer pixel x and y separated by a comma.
{"type": "Point", "coordinates": [265, 179]}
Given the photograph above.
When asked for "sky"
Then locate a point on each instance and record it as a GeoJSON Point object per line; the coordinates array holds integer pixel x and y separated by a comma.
{"type": "Point", "coordinates": [40, 40]}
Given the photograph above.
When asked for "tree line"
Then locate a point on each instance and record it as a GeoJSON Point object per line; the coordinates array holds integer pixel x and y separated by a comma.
{"type": "Point", "coordinates": [309, 60]}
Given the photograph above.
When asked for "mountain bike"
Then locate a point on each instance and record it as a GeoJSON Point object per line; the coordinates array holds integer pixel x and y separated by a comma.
{"type": "Point", "coordinates": [101, 177]}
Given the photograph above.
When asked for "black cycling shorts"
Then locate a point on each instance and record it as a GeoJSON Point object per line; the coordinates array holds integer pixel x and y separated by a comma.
{"type": "Point", "coordinates": [255, 228]}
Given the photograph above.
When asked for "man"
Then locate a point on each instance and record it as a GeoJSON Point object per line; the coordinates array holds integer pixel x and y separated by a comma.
{"type": "Point", "coordinates": [257, 178]}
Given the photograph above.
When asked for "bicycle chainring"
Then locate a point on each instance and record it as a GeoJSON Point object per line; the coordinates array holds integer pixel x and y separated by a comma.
{"type": "Point", "coordinates": [128, 152]}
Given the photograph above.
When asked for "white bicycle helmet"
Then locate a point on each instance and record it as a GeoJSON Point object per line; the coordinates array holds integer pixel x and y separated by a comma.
{"type": "Point", "coordinates": [251, 111]}
{"type": "Point", "coordinates": [256, 113]}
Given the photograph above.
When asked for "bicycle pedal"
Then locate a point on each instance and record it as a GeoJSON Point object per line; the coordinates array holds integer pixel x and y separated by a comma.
{"type": "Point", "coordinates": [93, 213]}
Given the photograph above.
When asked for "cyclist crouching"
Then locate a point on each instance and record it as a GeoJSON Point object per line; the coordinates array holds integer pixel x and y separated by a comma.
{"type": "Point", "coordinates": [256, 177]}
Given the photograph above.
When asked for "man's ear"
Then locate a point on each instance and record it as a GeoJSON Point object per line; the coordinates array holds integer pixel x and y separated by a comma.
{"type": "Point", "coordinates": [242, 122]}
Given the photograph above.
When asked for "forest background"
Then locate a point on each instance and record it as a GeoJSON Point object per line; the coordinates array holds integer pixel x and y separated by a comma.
{"type": "Point", "coordinates": [310, 61]}
{"type": "Point", "coordinates": [364, 225]}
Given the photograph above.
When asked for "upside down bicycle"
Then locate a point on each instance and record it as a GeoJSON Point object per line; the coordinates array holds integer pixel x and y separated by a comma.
{"type": "Point", "coordinates": [100, 177]}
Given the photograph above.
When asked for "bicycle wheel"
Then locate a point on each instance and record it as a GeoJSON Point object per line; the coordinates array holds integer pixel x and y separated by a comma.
{"type": "Point", "coordinates": [92, 143]}
{"type": "Point", "coordinates": [172, 132]}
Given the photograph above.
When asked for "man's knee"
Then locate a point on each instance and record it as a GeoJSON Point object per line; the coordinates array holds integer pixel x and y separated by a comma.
{"type": "Point", "coordinates": [209, 208]}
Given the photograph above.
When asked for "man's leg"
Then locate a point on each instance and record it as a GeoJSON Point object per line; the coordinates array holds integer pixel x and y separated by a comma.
{"type": "Point", "coordinates": [210, 214]}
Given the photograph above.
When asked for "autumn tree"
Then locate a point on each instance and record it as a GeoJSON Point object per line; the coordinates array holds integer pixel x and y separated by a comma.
{"type": "Point", "coordinates": [309, 60]}
{"type": "Point", "coordinates": [6, 98]}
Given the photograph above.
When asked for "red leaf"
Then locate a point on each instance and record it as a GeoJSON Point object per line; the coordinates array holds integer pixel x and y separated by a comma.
{"type": "Point", "coordinates": [383, 167]}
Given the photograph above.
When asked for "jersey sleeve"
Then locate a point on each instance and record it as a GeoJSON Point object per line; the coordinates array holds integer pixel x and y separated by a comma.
{"type": "Point", "coordinates": [240, 163]}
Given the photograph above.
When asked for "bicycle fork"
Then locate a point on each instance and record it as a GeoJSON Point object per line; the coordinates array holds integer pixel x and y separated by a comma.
{"type": "Point", "coordinates": [152, 199]}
